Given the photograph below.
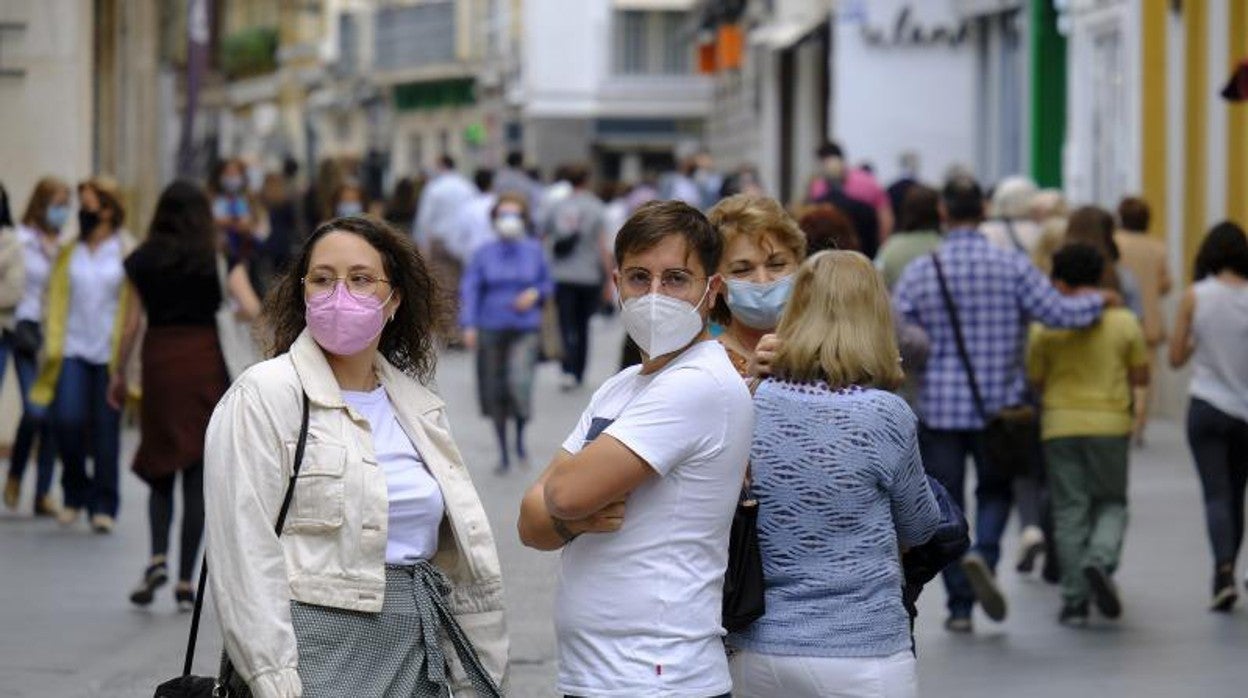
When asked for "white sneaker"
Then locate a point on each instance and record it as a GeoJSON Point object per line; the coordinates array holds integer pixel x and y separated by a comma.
{"type": "Point", "coordinates": [67, 517]}
{"type": "Point", "coordinates": [102, 523]}
{"type": "Point", "coordinates": [1030, 547]}
{"type": "Point", "coordinates": [568, 382]}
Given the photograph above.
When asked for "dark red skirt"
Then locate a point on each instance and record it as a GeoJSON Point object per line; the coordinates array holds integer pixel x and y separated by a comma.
{"type": "Point", "coordinates": [183, 380]}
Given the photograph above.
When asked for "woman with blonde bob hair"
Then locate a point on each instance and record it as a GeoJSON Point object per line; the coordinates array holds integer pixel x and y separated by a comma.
{"type": "Point", "coordinates": [841, 492]}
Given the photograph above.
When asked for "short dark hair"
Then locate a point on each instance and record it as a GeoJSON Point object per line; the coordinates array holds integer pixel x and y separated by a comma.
{"type": "Point", "coordinates": [964, 199]}
{"type": "Point", "coordinates": [483, 178]}
{"type": "Point", "coordinates": [446, 161]}
{"type": "Point", "coordinates": [920, 210]}
{"type": "Point", "coordinates": [1078, 264]}
{"type": "Point", "coordinates": [658, 220]}
{"type": "Point", "coordinates": [515, 159]}
{"type": "Point", "coordinates": [1134, 214]}
{"type": "Point", "coordinates": [830, 149]}
{"type": "Point", "coordinates": [577, 174]}
{"type": "Point", "coordinates": [1225, 247]}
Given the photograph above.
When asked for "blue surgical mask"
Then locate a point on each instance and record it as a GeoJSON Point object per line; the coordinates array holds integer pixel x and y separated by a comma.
{"type": "Point", "coordinates": [57, 216]}
{"type": "Point", "coordinates": [349, 208]}
{"type": "Point", "coordinates": [758, 305]}
{"type": "Point", "coordinates": [232, 183]}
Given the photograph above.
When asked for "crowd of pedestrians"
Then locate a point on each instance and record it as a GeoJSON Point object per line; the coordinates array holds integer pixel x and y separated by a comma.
{"type": "Point", "coordinates": [803, 388]}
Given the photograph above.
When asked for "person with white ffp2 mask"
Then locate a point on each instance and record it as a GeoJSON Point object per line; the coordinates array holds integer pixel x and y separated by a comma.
{"type": "Point", "coordinates": [641, 498]}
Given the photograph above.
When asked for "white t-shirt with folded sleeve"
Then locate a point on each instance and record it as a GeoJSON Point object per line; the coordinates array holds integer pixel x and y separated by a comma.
{"type": "Point", "coordinates": [638, 611]}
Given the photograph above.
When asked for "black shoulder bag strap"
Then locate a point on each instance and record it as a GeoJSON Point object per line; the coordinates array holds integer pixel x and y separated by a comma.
{"type": "Point", "coordinates": [281, 523]}
{"type": "Point", "coordinates": [958, 339]}
{"type": "Point", "coordinates": [1009, 230]}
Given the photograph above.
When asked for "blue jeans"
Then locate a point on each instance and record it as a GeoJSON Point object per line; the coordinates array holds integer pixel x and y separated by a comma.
{"type": "Point", "coordinates": [944, 457]}
{"type": "Point", "coordinates": [85, 424]}
{"type": "Point", "coordinates": [34, 422]}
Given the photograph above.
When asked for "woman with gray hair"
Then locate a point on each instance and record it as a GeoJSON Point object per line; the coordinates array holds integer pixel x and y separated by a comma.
{"type": "Point", "coordinates": [1011, 227]}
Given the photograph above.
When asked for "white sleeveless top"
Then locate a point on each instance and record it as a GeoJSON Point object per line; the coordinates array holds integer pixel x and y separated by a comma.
{"type": "Point", "coordinates": [1220, 327]}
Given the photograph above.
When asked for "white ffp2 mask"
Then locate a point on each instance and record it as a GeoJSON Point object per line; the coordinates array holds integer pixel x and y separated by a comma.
{"type": "Point", "coordinates": [661, 324]}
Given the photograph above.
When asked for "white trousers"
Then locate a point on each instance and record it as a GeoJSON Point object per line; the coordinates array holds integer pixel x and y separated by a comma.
{"type": "Point", "coordinates": [757, 675]}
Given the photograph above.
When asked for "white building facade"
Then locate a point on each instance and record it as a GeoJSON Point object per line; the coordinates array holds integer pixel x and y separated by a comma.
{"type": "Point", "coordinates": [611, 82]}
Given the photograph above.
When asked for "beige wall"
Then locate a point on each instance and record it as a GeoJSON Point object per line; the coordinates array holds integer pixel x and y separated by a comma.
{"type": "Point", "coordinates": [47, 113]}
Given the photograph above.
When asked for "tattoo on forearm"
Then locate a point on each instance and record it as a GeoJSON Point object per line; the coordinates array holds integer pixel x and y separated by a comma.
{"type": "Point", "coordinates": [561, 527]}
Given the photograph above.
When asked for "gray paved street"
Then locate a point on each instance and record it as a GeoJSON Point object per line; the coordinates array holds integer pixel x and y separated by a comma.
{"type": "Point", "coordinates": [67, 630]}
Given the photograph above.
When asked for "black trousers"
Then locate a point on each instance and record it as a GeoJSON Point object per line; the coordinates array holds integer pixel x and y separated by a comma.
{"type": "Point", "coordinates": [577, 304]}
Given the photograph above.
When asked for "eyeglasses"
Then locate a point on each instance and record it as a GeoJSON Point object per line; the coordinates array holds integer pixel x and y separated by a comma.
{"type": "Point", "coordinates": [672, 282]}
{"type": "Point", "coordinates": [359, 284]}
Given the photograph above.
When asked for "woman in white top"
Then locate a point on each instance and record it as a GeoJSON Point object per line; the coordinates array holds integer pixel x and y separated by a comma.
{"type": "Point", "coordinates": [386, 550]}
{"type": "Point", "coordinates": [46, 213]}
{"type": "Point", "coordinates": [1211, 330]}
{"type": "Point", "coordinates": [86, 305]}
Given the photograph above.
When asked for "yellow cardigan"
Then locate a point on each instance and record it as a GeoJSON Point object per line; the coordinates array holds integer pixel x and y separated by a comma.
{"type": "Point", "coordinates": [56, 316]}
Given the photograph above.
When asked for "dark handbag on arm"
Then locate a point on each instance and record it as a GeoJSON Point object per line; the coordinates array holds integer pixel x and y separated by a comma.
{"type": "Point", "coordinates": [1011, 435]}
{"type": "Point", "coordinates": [743, 579]}
{"type": "Point", "coordinates": [228, 684]}
{"type": "Point", "coordinates": [27, 337]}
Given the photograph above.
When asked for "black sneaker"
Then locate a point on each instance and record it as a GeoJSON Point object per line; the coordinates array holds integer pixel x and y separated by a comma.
{"type": "Point", "coordinates": [985, 586]}
{"type": "Point", "coordinates": [1104, 591]}
{"type": "Point", "coordinates": [154, 577]}
{"type": "Point", "coordinates": [1074, 614]}
{"type": "Point", "coordinates": [1224, 594]}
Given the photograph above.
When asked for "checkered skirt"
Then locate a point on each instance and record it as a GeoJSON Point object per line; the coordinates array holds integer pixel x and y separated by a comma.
{"type": "Point", "coordinates": [396, 652]}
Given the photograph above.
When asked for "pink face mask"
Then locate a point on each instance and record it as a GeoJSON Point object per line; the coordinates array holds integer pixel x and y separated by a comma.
{"type": "Point", "coordinates": [343, 324]}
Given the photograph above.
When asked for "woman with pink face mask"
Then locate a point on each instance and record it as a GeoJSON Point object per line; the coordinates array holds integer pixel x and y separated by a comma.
{"type": "Point", "coordinates": [355, 592]}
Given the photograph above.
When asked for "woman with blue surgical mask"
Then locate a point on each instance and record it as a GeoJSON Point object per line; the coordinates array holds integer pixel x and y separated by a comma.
{"type": "Point", "coordinates": [349, 200]}
{"type": "Point", "coordinates": [38, 234]}
{"type": "Point", "coordinates": [235, 211]}
{"type": "Point", "coordinates": [763, 247]}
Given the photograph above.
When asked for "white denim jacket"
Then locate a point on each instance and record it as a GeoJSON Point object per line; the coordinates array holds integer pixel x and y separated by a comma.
{"type": "Point", "coordinates": [332, 549]}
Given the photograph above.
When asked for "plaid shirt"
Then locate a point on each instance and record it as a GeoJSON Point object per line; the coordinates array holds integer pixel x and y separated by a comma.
{"type": "Point", "coordinates": [996, 292]}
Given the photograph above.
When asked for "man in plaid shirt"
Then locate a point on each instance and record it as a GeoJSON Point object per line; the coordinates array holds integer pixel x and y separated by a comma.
{"type": "Point", "coordinates": [996, 293]}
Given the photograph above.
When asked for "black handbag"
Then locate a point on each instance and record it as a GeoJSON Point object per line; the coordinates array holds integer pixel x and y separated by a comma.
{"type": "Point", "coordinates": [743, 580]}
{"type": "Point", "coordinates": [1012, 435]}
{"type": "Point", "coordinates": [27, 337]}
{"type": "Point", "coordinates": [227, 684]}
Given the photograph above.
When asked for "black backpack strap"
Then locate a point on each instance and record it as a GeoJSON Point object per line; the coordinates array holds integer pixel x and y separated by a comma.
{"type": "Point", "coordinates": [958, 339]}
{"type": "Point", "coordinates": [281, 522]}
{"type": "Point", "coordinates": [1009, 230]}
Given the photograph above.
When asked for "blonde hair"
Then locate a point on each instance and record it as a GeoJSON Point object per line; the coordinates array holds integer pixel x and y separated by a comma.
{"type": "Point", "coordinates": [838, 325]}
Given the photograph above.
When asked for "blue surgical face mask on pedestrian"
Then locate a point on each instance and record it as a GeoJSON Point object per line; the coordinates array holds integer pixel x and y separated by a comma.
{"type": "Point", "coordinates": [349, 208]}
{"type": "Point", "coordinates": [58, 216]}
{"type": "Point", "coordinates": [758, 305]}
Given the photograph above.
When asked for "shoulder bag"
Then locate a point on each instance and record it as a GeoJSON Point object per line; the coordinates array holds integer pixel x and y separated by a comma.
{"type": "Point", "coordinates": [228, 684]}
{"type": "Point", "coordinates": [237, 344]}
{"type": "Point", "coordinates": [743, 579]}
{"type": "Point", "coordinates": [1011, 436]}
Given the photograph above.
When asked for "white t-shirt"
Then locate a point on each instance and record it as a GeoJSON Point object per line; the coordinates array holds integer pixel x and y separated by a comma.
{"type": "Point", "coordinates": [416, 505]}
{"type": "Point", "coordinates": [638, 611]}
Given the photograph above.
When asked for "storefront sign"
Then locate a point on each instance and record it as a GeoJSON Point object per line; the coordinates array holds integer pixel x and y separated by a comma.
{"type": "Point", "coordinates": [906, 30]}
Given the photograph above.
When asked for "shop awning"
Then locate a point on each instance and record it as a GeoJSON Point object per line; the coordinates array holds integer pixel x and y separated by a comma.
{"type": "Point", "coordinates": [977, 8]}
{"type": "Point", "coordinates": [782, 34]}
{"type": "Point", "coordinates": [654, 5]}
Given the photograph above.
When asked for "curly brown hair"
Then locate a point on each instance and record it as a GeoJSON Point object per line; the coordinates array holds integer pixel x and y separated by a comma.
{"type": "Point", "coordinates": [408, 341]}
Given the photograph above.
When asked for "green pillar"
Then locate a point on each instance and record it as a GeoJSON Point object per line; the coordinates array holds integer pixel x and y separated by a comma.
{"type": "Point", "coordinates": [1048, 94]}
